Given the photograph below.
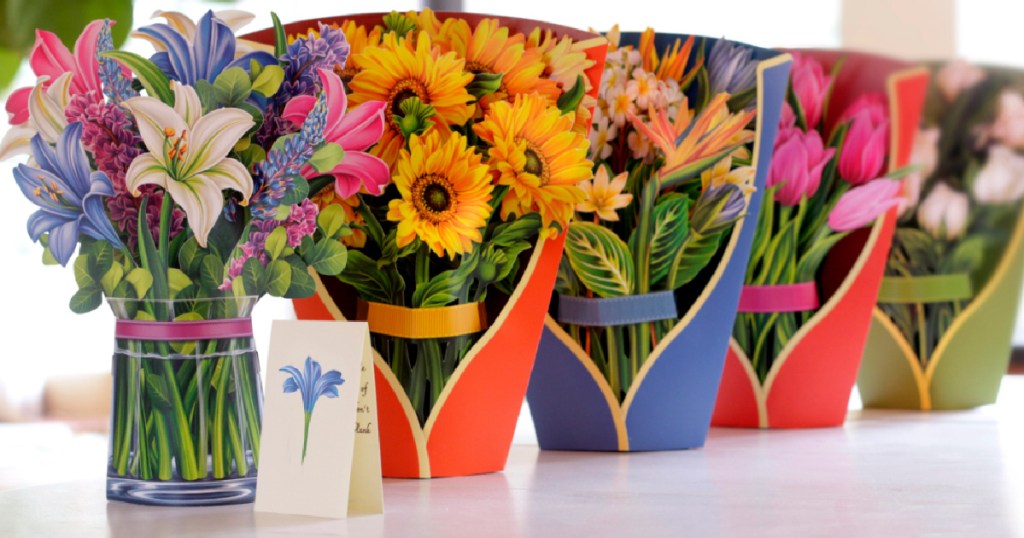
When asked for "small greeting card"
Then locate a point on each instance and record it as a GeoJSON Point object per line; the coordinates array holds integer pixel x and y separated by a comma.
{"type": "Point", "coordinates": [320, 450]}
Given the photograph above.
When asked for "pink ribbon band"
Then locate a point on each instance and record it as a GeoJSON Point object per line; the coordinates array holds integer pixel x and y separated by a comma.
{"type": "Point", "coordinates": [212, 329]}
{"type": "Point", "coordinates": [798, 297]}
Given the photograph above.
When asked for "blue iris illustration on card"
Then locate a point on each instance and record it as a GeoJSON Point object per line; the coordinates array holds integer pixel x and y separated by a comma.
{"type": "Point", "coordinates": [312, 385]}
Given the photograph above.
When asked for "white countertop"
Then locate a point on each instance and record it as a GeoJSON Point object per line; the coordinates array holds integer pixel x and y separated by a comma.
{"type": "Point", "coordinates": [883, 474]}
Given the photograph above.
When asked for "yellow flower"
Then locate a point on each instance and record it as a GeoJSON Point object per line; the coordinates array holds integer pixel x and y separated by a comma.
{"type": "Point", "coordinates": [604, 197]}
{"type": "Point", "coordinates": [445, 191]}
{"type": "Point", "coordinates": [722, 173]}
{"type": "Point", "coordinates": [564, 60]}
{"type": "Point", "coordinates": [328, 197]}
{"type": "Point", "coordinates": [358, 40]}
{"type": "Point", "coordinates": [490, 49]}
{"type": "Point", "coordinates": [535, 152]}
{"type": "Point", "coordinates": [395, 71]}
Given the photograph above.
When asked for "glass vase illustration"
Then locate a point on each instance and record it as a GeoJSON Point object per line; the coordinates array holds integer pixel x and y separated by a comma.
{"type": "Point", "coordinates": [187, 402]}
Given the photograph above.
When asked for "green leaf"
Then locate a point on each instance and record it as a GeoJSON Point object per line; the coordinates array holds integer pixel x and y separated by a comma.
{"type": "Point", "coordinates": [211, 274]}
{"type": "Point", "coordinates": [807, 267]}
{"type": "Point", "coordinates": [152, 78]}
{"type": "Point", "coordinates": [140, 279]}
{"type": "Point", "coordinates": [371, 282]}
{"type": "Point", "coordinates": [268, 81]}
{"type": "Point", "coordinates": [177, 280]}
{"type": "Point", "coordinates": [695, 254]}
{"type": "Point", "coordinates": [189, 258]}
{"type": "Point", "coordinates": [158, 390]}
{"type": "Point", "coordinates": [640, 239]}
{"type": "Point", "coordinates": [298, 192]}
{"type": "Point", "coordinates": [328, 257]}
{"type": "Point", "coordinates": [86, 299]}
{"type": "Point", "coordinates": [207, 96]}
{"type": "Point", "coordinates": [186, 347]}
{"type": "Point", "coordinates": [326, 157]}
{"type": "Point", "coordinates": [600, 259]}
{"type": "Point", "coordinates": [276, 241]}
{"type": "Point", "coordinates": [445, 287]}
{"type": "Point", "coordinates": [280, 41]}
{"type": "Point", "coordinates": [150, 256]}
{"type": "Point", "coordinates": [232, 87]}
{"type": "Point", "coordinates": [111, 279]}
{"type": "Point", "coordinates": [390, 253]}
{"type": "Point", "coordinates": [670, 229]}
{"type": "Point", "coordinates": [568, 101]}
{"type": "Point", "coordinates": [279, 278]}
{"type": "Point", "coordinates": [81, 268]}
{"type": "Point", "coordinates": [101, 258]}
{"type": "Point", "coordinates": [252, 277]}
{"type": "Point", "coordinates": [484, 83]}
{"type": "Point", "coordinates": [523, 228]}
{"type": "Point", "coordinates": [224, 236]}
{"type": "Point", "coordinates": [302, 284]}
{"type": "Point", "coordinates": [331, 220]}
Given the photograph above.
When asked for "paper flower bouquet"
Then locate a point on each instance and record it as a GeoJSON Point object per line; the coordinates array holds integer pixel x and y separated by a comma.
{"type": "Point", "coordinates": [458, 213]}
{"type": "Point", "coordinates": [941, 335]}
{"type": "Point", "coordinates": [678, 140]}
{"type": "Point", "coordinates": [180, 185]}
{"type": "Point", "coordinates": [824, 229]}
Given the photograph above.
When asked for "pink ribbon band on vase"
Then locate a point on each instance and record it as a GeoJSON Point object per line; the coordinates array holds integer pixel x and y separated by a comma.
{"type": "Point", "coordinates": [798, 297]}
{"type": "Point", "coordinates": [212, 329]}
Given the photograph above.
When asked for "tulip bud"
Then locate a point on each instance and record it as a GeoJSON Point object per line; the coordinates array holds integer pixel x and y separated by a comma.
{"type": "Point", "coordinates": [797, 164]}
{"type": "Point", "coordinates": [862, 157]}
{"type": "Point", "coordinates": [811, 86]}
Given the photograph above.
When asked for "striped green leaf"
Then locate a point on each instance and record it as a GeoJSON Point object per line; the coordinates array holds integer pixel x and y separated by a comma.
{"type": "Point", "coordinates": [151, 77]}
{"type": "Point", "coordinates": [600, 259]}
{"type": "Point", "coordinates": [669, 232]}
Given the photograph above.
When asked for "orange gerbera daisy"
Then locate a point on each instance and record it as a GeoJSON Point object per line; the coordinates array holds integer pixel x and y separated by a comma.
{"type": "Point", "coordinates": [445, 192]}
{"type": "Point", "coordinates": [537, 154]}
{"type": "Point", "coordinates": [563, 60]}
{"type": "Point", "coordinates": [397, 70]}
{"type": "Point", "coordinates": [490, 49]}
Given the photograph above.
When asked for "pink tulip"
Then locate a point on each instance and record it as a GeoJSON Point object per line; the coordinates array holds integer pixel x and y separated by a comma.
{"type": "Point", "coordinates": [49, 57]}
{"type": "Point", "coordinates": [354, 131]}
{"type": "Point", "coordinates": [797, 163]}
{"type": "Point", "coordinates": [867, 140]}
{"type": "Point", "coordinates": [811, 85]}
{"type": "Point", "coordinates": [787, 118]}
{"type": "Point", "coordinates": [865, 203]}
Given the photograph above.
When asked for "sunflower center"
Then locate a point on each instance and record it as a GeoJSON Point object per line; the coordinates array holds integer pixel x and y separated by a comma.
{"type": "Point", "coordinates": [434, 198]}
{"type": "Point", "coordinates": [346, 74]}
{"type": "Point", "coordinates": [534, 164]}
{"type": "Point", "coordinates": [404, 90]}
{"type": "Point", "coordinates": [477, 68]}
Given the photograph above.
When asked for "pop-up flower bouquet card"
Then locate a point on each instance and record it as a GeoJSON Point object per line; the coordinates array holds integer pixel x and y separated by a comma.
{"type": "Point", "coordinates": [940, 337]}
{"type": "Point", "coordinates": [632, 351]}
{"type": "Point", "coordinates": [822, 240]}
{"type": "Point", "coordinates": [174, 187]}
{"type": "Point", "coordinates": [458, 211]}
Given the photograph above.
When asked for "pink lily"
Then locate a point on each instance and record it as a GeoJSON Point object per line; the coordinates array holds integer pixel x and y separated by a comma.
{"type": "Point", "coordinates": [865, 203]}
{"type": "Point", "coordinates": [354, 131]}
{"type": "Point", "coordinates": [50, 58]}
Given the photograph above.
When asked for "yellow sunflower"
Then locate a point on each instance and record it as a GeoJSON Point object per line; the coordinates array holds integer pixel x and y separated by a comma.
{"type": "Point", "coordinates": [490, 49]}
{"type": "Point", "coordinates": [537, 154]}
{"type": "Point", "coordinates": [359, 38]}
{"type": "Point", "coordinates": [445, 192]}
{"type": "Point", "coordinates": [397, 70]}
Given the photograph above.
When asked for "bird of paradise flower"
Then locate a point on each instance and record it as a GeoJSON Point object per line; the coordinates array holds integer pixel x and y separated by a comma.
{"type": "Point", "coordinates": [312, 385]}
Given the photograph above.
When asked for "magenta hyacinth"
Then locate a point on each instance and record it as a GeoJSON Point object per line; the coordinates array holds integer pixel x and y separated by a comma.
{"type": "Point", "coordinates": [797, 164]}
{"type": "Point", "coordinates": [865, 203]}
{"type": "Point", "coordinates": [301, 222]}
{"type": "Point", "coordinates": [107, 133]}
{"type": "Point", "coordinates": [811, 85]}
{"type": "Point", "coordinates": [864, 149]}
{"type": "Point", "coordinates": [124, 213]}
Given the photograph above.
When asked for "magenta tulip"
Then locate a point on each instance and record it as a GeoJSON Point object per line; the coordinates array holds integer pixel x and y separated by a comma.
{"type": "Point", "coordinates": [863, 154]}
{"type": "Point", "coordinates": [354, 130]}
{"type": "Point", "coordinates": [797, 163]}
{"type": "Point", "coordinates": [811, 85]}
{"type": "Point", "coordinates": [865, 203]}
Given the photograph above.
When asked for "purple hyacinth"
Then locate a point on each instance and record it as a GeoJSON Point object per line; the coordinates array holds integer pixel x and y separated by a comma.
{"type": "Point", "coordinates": [307, 54]}
{"type": "Point", "coordinates": [274, 175]}
{"type": "Point", "coordinates": [116, 86]}
{"type": "Point", "coordinates": [301, 222]}
{"type": "Point", "coordinates": [254, 247]}
{"type": "Point", "coordinates": [124, 213]}
{"type": "Point", "coordinates": [108, 133]}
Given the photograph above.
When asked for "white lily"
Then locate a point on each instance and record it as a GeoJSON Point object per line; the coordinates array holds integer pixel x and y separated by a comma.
{"type": "Point", "coordinates": [46, 116]}
{"type": "Point", "coordinates": [188, 155]}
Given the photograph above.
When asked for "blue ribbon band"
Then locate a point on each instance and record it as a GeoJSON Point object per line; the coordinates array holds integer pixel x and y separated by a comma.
{"type": "Point", "coordinates": [612, 311]}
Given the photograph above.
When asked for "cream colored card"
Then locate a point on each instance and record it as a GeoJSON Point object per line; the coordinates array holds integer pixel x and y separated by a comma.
{"type": "Point", "coordinates": [319, 449]}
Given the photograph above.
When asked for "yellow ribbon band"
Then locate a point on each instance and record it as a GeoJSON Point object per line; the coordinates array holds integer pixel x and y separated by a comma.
{"type": "Point", "coordinates": [419, 323]}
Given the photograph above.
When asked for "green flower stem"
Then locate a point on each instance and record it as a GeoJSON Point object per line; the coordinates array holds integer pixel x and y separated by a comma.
{"type": "Point", "coordinates": [762, 366]}
{"type": "Point", "coordinates": [922, 331]}
{"type": "Point", "coordinates": [236, 441]}
{"type": "Point", "coordinates": [251, 408]}
{"type": "Point", "coordinates": [305, 434]}
{"type": "Point", "coordinates": [122, 443]}
{"type": "Point", "coordinates": [436, 374]}
{"type": "Point", "coordinates": [417, 387]}
{"type": "Point", "coordinates": [143, 464]}
{"type": "Point", "coordinates": [616, 360]}
{"type": "Point", "coordinates": [183, 432]}
{"type": "Point", "coordinates": [163, 446]}
{"type": "Point", "coordinates": [166, 210]}
{"type": "Point", "coordinates": [220, 408]}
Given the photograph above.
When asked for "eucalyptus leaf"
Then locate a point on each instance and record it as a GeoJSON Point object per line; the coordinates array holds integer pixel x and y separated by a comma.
{"type": "Point", "coordinates": [86, 299]}
{"type": "Point", "coordinates": [328, 257]}
{"type": "Point", "coordinates": [140, 279]}
{"type": "Point", "coordinates": [276, 242]}
{"type": "Point", "coordinates": [371, 282]}
{"type": "Point", "coordinates": [331, 220]}
{"type": "Point", "coordinates": [232, 87]}
{"type": "Point", "coordinates": [326, 157]}
{"type": "Point", "coordinates": [268, 80]}
{"type": "Point", "coordinates": [279, 278]}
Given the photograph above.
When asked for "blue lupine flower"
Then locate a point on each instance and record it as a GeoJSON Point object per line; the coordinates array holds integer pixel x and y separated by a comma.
{"type": "Point", "coordinates": [68, 192]}
{"type": "Point", "coordinates": [211, 51]}
{"type": "Point", "coordinates": [274, 175]}
{"type": "Point", "coordinates": [306, 55]}
{"type": "Point", "coordinates": [312, 385]}
{"type": "Point", "coordinates": [731, 67]}
{"type": "Point", "coordinates": [116, 86]}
